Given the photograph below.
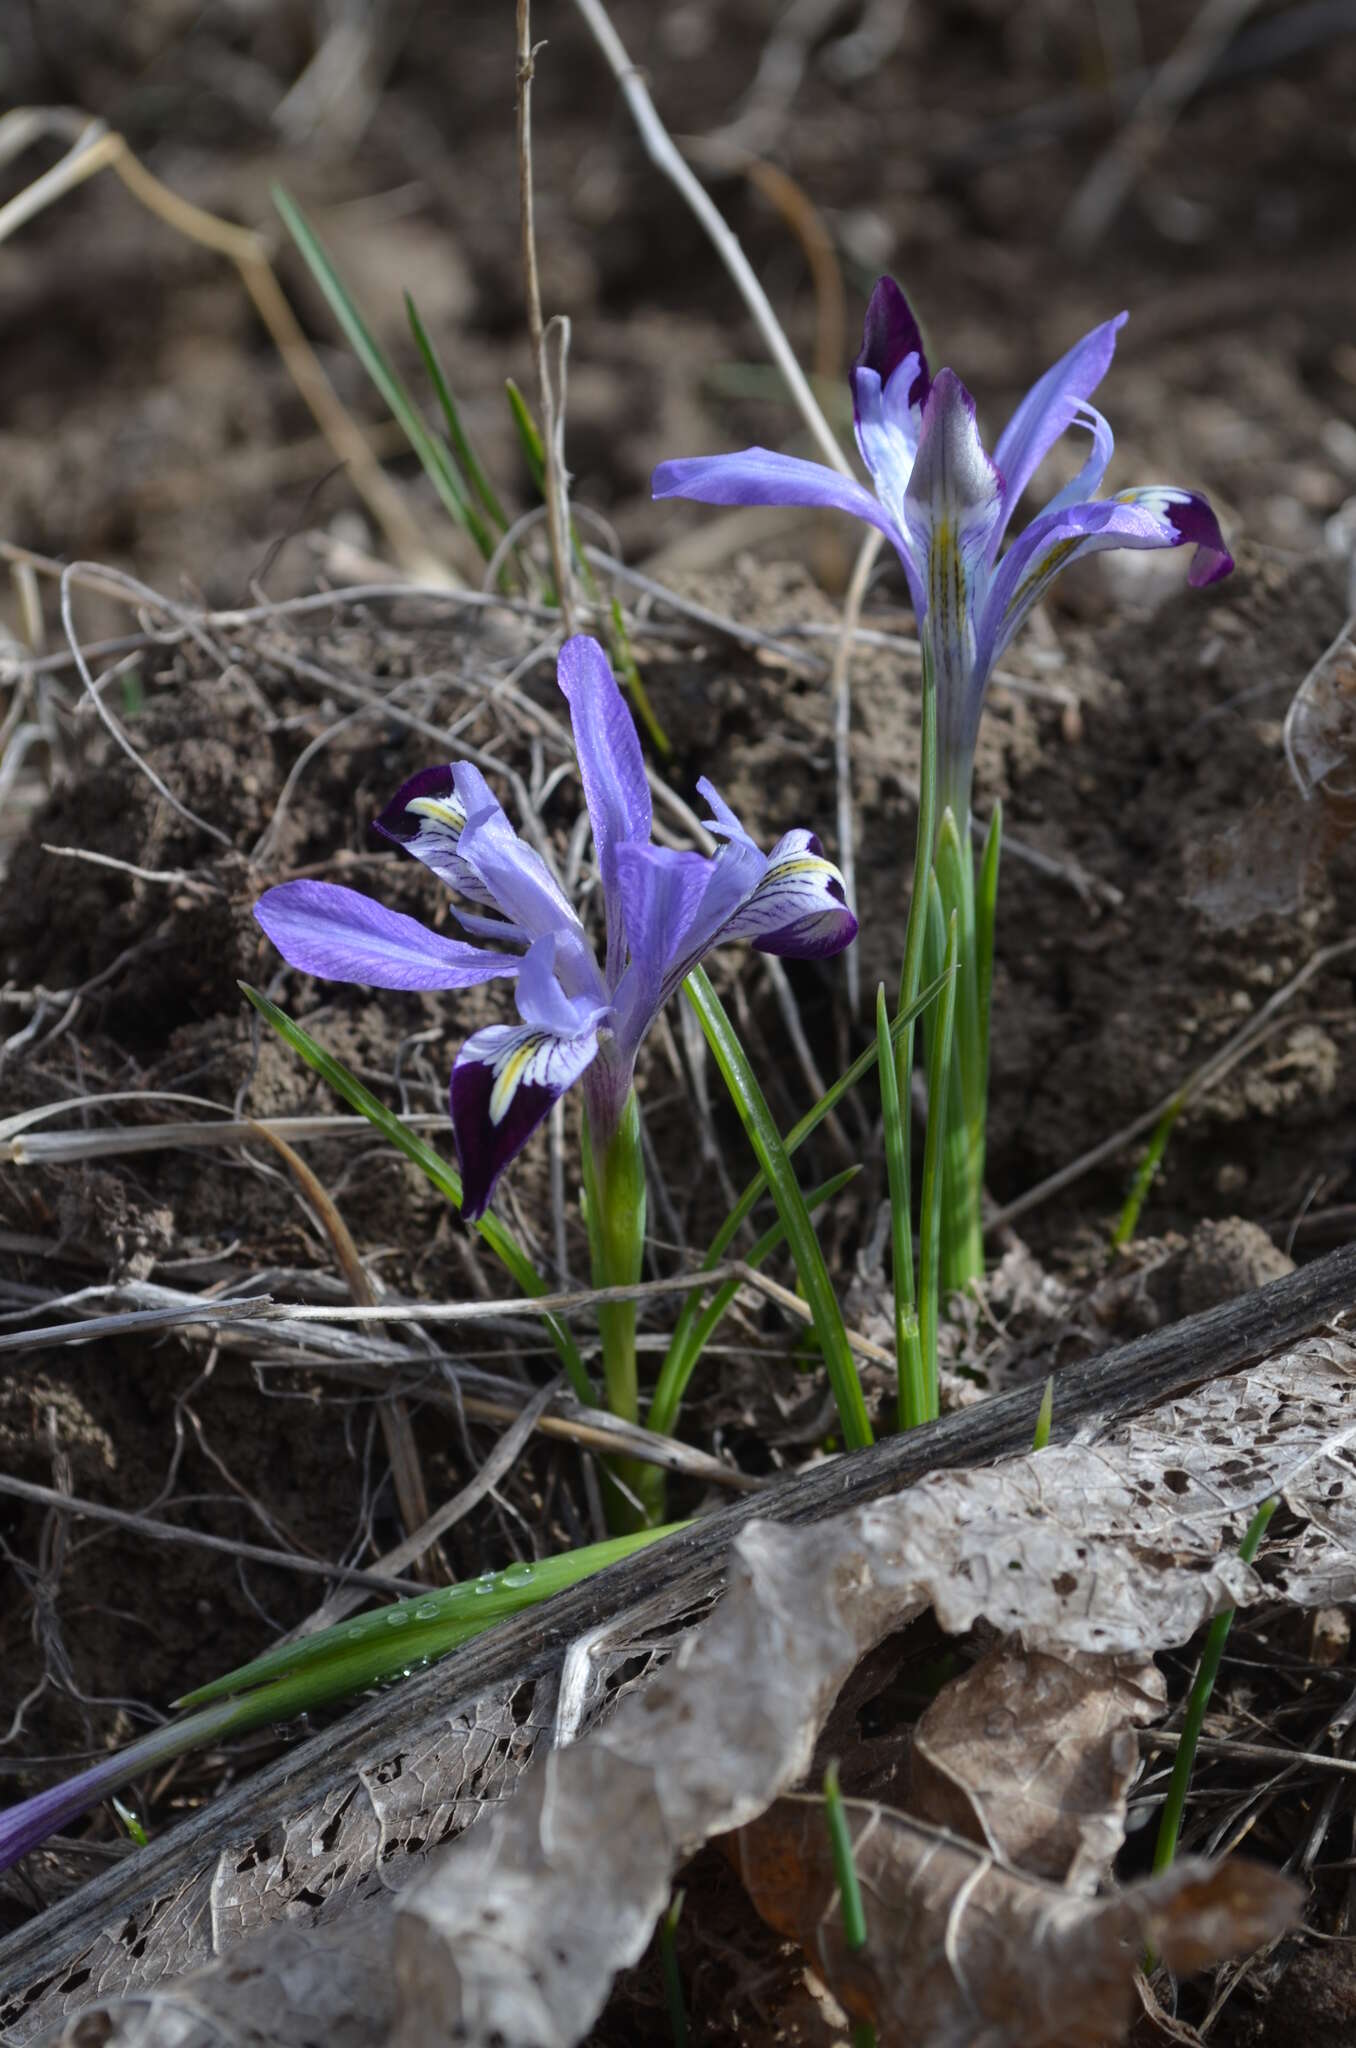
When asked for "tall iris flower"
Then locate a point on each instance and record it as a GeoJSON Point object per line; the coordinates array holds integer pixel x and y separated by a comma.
{"type": "Point", "coordinates": [946, 505]}
{"type": "Point", "coordinates": [580, 1021]}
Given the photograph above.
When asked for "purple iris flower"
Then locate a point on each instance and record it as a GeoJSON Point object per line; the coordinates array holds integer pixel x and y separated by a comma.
{"type": "Point", "coordinates": [664, 911]}
{"type": "Point", "coordinates": [946, 504]}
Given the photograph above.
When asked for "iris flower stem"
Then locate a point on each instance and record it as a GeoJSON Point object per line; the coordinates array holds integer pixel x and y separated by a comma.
{"type": "Point", "coordinates": [962, 1240]}
{"type": "Point", "coordinates": [614, 1196]}
{"type": "Point", "coordinates": [897, 1101]}
{"type": "Point", "coordinates": [932, 1235]}
{"type": "Point", "coordinates": [911, 1375]}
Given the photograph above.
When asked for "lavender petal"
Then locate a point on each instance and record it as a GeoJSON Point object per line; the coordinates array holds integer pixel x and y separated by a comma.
{"type": "Point", "coordinates": [611, 768]}
{"type": "Point", "coordinates": [340, 935]}
{"type": "Point", "coordinates": [503, 1085]}
{"type": "Point", "coordinates": [1049, 407]}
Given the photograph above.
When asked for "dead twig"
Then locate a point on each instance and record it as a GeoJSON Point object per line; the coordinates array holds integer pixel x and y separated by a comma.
{"type": "Point", "coordinates": [169, 1532]}
{"type": "Point", "coordinates": [550, 374]}
{"type": "Point", "coordinates": [427, 1538]}
{"type": "Point", "coordinates": [407, 1472]}
{"type": "Point", "coordinates": [666, 157]}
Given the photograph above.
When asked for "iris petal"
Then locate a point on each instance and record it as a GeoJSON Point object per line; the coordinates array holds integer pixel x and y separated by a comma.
{"type": "Point", "coordinates": [1050, 406]}
{"type": "Point", "coordinates": [611, 768]}
{"type": "Point", "coordinates": [503, 1085]}
{"type": "Point", "coordinates": [426, 818]}
{"type": "Point", "coordinates": [1052, 541]}
{"type": "Point", "coordinates": [799, 907]}
{"type": "Point", "coordinates": [340, 935]}
{"type": "Point", "coordinates": [516, 878]}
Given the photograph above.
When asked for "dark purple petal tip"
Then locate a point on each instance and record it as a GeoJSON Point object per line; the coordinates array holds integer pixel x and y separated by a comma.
{"type": "Point", "coordinates": [395, 823]}
{"type": "Point", "coordinates": [1197, 525]}
{"type": "Point", "coordinates": [890, 333]}
{"type": "Point", "coordinates": [484, 1149]}
{"type": "Point", "coordinates": [817, 936]}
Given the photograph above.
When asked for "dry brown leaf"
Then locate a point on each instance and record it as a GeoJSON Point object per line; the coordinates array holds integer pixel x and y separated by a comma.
{"type": "Point", "coordinates": [964, 1951]}
{"type": "Point", "coordinates": [1031, 1756]}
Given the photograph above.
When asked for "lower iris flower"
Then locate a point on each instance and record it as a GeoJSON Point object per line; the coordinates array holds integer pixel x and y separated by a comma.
{"type": "Point", "coordinates": [579, 1021]}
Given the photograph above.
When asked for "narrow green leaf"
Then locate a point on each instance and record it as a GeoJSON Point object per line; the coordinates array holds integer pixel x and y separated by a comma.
{"type": "Point", "coordinates": [131, 1823]}
{"type": "Point", "coordinates": [462, 448]}
{"type": "Point", "coordinates": [932, 1218]}
{"type": "Point", "coordinates": [844, 1861]}
{"type": "Point", "coordinates": [911, 1376]}
{"type": "Point", "coordinates": [679, 1366]}
{"type": "Point", "coordinates": [962, 1240]}
{"type": "Point", "coordinates": [444, 1177]}
{"type": "Point", "coordinates": [1170, 1822]}
{"type": "Point", "coordinates": [1045, 1415]}
{"type": "Point", "coordinates": [1146, 1173]}
{"type": "Point", "coordinates": [795, 1138]}
{"type": "Point", "coordinates": [384, 1641]}
{"type": "Point", "coordinates": [434, 457]}
{"type": "Point", "coordinates": [986, 915]}
{"type": "Point", "coordinates": [534, 450]}
{"type": "Point", "coordinates": [767, 1143]}
{"type": "Point", "coordinates": [371, 1650]}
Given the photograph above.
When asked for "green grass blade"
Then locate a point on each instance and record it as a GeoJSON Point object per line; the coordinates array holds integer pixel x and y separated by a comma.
{"type": "Point", "coordinates": [794, 1139]}
{"type": "Point", "coordinates": [986, 915]}
{"type": "Point", "coordinates": [910, 1374]}
{"type": "Point", "coordinates": [844, 1862]}
{"type": "Point", "coordinates": [1045, 1415]}
{"type": "Point", "coordinates": [465, 455]}
{"type": "Point", "coordinates": [383, 1642]}
{"type": "Point", "coordinates": [444, 1177]}
{"type": "Point", "coordinates": [534, 451]}
{"type": "Point", "coordinates": [1170, 1822]}
{"type": "Point", "coordinates": [625, 660]}
{"type": "Point", "coordinates": [678, 1367]}
{"type": "Point", "coordinates": [784, 1188]}
{"type": "Point", "coordinates": [673, 1983]}
{"type": "Point", "coordinates": [435, 459]}
{"type": "Point", "coordinates": [1128, 1222]}
{"type": "Point", "coordinates": [932, 1216]}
